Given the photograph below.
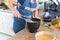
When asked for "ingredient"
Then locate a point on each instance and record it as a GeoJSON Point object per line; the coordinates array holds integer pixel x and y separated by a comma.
{"type": "Point", "coordinates": [44, 37]}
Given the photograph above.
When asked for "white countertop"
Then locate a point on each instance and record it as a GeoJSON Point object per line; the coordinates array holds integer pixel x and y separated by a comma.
{"type": "Point", "coordinates": [6, 23]}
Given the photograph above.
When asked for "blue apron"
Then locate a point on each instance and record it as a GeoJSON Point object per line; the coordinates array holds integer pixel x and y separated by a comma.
{"type": "Point", "coordinates": [19, 23]}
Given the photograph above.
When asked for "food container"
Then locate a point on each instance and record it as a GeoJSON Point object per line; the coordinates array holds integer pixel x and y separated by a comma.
{"type": "Point", "coordinates": [33, 25]}
{"type": "Point", "coordinates": [56, 23]}
{"type": "Point", "coordinates": [44, 32]}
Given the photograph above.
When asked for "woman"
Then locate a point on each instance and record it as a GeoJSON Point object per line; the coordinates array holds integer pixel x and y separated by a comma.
{"type": "Point", "coordinates": [24, 10]}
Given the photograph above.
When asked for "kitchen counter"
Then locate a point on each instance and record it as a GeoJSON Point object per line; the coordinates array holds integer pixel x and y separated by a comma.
{"type": "Point", "coordinates": [6, 23]}
{"type": "Point", "coordinates": [26, 35]}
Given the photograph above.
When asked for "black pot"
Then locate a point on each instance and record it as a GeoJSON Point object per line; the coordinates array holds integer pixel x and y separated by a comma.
{"type": "Point", "coordinates": [33, 26]}
{"type": "Point", "coordinates": [36, 20]}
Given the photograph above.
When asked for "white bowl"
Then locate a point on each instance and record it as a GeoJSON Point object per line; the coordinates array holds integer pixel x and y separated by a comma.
{"type": "Point", "coordinates": [44, 32]}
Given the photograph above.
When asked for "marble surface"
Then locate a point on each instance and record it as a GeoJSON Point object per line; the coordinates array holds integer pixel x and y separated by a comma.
{"type": "Point", "coordinates": [6, 23]}
{"type": "Point", "coordinates": [4, 36]}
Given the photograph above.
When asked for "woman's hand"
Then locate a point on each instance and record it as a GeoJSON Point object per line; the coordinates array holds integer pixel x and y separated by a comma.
{"type": "Point", "coordinates": [10, 5]}
{"type": "Point", "coordinates": [17, 14]}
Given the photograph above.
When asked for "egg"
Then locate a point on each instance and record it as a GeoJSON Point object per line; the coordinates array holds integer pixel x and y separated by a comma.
{"type": "Point", "coordinates": [59, 24]}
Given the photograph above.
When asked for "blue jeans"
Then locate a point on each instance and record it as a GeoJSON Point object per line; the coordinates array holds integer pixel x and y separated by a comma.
{"type": "Point", "coordinates": [18, 24]}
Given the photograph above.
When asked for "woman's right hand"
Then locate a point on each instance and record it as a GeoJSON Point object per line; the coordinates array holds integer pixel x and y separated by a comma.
{"type": "Point", "coordinates": [17, 14]}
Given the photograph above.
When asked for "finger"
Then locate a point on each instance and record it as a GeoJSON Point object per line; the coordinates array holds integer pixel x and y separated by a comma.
{"type": "Point", "coordinates": [15, 15]}
{"type": "Point", "coordinates": [19, 16]}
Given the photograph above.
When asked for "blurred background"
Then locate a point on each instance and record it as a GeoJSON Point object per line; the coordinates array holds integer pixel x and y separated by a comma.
{"type": "Point", "coordinates": [6, 15]}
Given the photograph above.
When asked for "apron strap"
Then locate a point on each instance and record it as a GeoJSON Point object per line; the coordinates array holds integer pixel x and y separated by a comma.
{"type": "Point", "coordinates": [21, 1]}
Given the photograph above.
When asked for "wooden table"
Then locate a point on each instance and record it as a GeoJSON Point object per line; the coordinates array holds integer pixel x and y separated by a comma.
{"type": "Point", "coordinates": [26, 35]}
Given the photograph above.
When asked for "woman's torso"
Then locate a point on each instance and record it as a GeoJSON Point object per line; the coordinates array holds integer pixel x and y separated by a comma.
{"type": "Point", "coordinates": [24, 3]}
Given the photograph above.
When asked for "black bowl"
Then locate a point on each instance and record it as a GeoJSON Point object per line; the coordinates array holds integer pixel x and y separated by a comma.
{"type": "Point", "coordinates": [36, 20]}
{"type": "Point", "coordinates": [33, 26]}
